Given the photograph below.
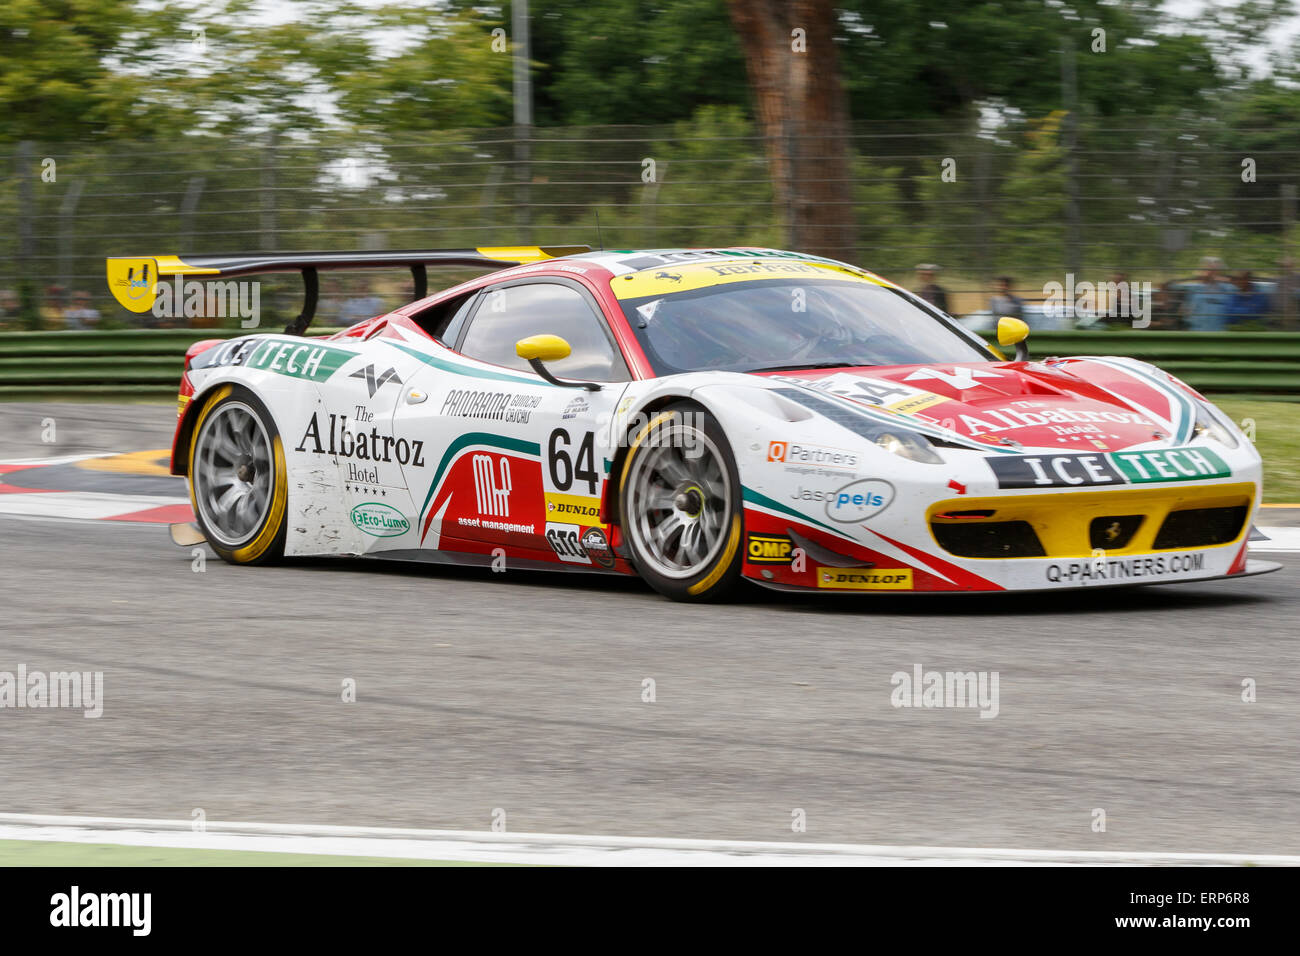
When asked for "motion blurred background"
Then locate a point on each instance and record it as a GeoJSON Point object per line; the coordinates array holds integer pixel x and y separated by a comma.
{"type": "Point", "coordinates": [1009, 144]}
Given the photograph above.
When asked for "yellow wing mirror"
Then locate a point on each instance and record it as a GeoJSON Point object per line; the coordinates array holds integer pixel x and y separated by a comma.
{"type": "Point", "coordinates": [537, 349]}
{"type": "Point", "coordinates": [1014, 332]}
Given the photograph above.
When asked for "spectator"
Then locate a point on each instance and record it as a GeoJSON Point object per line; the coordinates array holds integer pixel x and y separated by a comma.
{"type": "Point", "coordinates": [930, 290]}
{"type": "Point", "coordinates": [362, 305]}
{"type": "Point", "coordinates": [9, 306]}
{"type": "Point", "coordinates": [1004, 301]}
{"type": "Point", "coordinates": [82, 315]}
{"type": "Point", "coordinates": [1286, 294]}
{"type": "Point", "coordinates": [56, 300]}
{"type": "Point", "coordinates": [1205, 308]}
{"type": "Point", "coordinates": [1248, 303]}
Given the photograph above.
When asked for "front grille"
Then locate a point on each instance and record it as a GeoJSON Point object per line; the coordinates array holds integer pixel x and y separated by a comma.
{"type": "Point", "coordinates": [1112, 532]}
{"type": "Point", "coordinates": [1200, 527]}
{"type": "Point", "coordinates": [988, 539]}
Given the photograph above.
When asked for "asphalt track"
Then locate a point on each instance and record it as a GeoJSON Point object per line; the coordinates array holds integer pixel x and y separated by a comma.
{"type": "Point", "coordinates": [518, 691]}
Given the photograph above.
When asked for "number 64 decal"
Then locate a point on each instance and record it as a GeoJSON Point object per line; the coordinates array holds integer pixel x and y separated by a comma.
{"type": "Point", "coordinates": [564, 468]}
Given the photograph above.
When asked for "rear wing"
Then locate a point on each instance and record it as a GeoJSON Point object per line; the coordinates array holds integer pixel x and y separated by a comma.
{"type": "Point", "coordinates": [133, 281]}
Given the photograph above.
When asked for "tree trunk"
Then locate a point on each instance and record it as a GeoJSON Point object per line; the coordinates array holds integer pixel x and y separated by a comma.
{"type": "Point", "coordinates": [803, 116]}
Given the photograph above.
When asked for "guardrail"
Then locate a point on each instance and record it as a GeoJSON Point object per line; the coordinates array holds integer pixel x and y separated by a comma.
{"type": "Point", "coordinates": [1259, 364]}
{"type": "Point", "coordinates": [146, 364]}
{"type": "Point", "coordinates": [134, 364]}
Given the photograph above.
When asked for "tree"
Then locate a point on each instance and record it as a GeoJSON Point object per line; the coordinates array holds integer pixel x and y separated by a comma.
{"type": "Point", "coordinates": [802, 113]}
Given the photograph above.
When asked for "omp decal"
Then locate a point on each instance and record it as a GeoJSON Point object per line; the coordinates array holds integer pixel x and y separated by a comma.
{"type": "Point", "coordinates": [860, 579]}
{"type": "Point", "coordinates": [294, 358]}
{"type": "Point", "coordinates": [379, 520]}
{"type": "Point", "coordinates": [1108, 468]}
{"type": "Point", "coordinates": [768, 548]}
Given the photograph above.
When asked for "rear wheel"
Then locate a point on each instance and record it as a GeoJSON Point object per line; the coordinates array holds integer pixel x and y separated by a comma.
{"type": "Point", "coordinates": [237, 478]}
{"type": "Point", "coordinates": [680, 505]}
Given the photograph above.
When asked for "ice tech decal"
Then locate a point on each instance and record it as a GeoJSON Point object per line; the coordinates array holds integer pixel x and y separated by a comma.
{"type": "Point", "coordinates": [295, 358]}
{"type": "Point", "coordinates": [1108, 468]}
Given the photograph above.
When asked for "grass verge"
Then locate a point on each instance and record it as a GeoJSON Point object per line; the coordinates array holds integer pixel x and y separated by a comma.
{"type": "Point", "coordinates": [1276, 429]}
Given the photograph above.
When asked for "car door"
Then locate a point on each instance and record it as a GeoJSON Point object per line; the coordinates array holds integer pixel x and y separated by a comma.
{"type": "Point", "coordinates": [351, 427]}
{"type": "Point", "coordinates": [521, 463]}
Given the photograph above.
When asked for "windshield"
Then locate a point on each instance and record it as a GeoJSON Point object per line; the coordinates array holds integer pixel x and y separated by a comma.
{"type": "Point", "coordinates": [764, 324]}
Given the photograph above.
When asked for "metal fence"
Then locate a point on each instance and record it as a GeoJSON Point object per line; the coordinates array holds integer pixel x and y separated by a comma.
{"type": "Point", "coordinates": [1038, 202]}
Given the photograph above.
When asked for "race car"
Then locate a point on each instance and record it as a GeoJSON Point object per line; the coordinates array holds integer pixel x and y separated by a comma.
{"type": "Point", "coordinates": [698, 417]}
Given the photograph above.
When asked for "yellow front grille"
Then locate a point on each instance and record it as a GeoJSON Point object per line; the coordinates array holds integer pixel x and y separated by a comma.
{"type": "Point", "coordinates": [1061, 520]}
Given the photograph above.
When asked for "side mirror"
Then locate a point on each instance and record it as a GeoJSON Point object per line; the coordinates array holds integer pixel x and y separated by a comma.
{"type": "Point", "coordinates": [537, 349]}
{"type": "Point", "coordinates": [1014, 332]}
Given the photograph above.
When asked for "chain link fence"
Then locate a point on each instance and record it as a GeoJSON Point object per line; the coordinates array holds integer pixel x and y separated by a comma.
{"type": "Point", "coordinates": [1038, 202]}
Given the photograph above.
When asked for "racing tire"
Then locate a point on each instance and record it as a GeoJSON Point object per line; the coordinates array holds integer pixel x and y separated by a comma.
{"type": "Point", "coordinates": [680, 505]}
{"type": "Point", "coordinates": [238, 483]}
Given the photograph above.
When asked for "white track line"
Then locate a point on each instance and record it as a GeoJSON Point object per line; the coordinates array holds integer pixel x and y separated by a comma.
{"type": "Point", "coordinates": [81, 504]}
{"type": "Point", "coordinates": [1280, 541]}
{"type": "Point", "coordinates": [567, 849]}
{"type": "Point", "coordinates": [61, 460]}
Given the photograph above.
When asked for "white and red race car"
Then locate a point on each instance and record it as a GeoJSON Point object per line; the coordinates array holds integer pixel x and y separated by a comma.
{"type": "Point", "coordinates": [697, 416]}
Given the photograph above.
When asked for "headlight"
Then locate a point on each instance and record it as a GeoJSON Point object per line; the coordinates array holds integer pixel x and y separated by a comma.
{"type": "Point", "coordinates": [905, 444]}
{"type": "Point", "coordinates": [1210, 424]}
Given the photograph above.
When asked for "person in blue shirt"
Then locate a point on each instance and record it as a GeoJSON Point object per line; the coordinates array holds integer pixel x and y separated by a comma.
{"type": "Point", "coordinates": [1205, 306]}
{"type": "Point", "coordinates": [1248, 303]}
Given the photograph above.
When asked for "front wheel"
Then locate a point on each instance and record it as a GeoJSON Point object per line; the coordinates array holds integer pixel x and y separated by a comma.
{"type": "Point", "coordinates": [237, 477]}
{"type": "Point", "coordinates": [680, 505]}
